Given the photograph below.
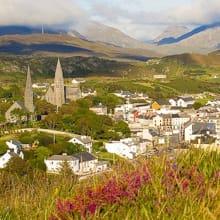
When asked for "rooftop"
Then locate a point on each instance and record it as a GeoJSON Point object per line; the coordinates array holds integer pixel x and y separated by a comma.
{"type": "Point", "coordinates": [62, 158]}
{"type": "Point", "coordinates": [84, 156]}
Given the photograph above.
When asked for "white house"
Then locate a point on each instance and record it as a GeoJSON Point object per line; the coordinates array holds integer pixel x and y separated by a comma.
{"type": "Point", "coordinates": [40, 85]}
{"type": "Point", "coordinates": [173, 102]}
{"type": "Point", "coordinates": [158, 121]}
{"type": "Point", "coordinates": [87, 162]}
{"type": "Point", "coordinates": [182, 102]}
{"type": "Point", "coordinates": [81, 164]}
{"type": "Point", "coordinates": [141, 108]}
{"type": "Point", "coordinates": [78, 81]}
{"type": "Point", "coordinates": [14, 145]}
{"type": "Point", "coordinates": [178, 120]}
{"type": "Point", "coordinates": [199, 129]}
{"type": "Point", "coordinates": [153, 137]}
{"type": "Point", "coordinates": [15, 150]}
{"type": "Point", "coordinates": [55, 162]}
{"type": "Point", "coordinates": [85, 141]}
{"type": "Point", "coordinates": [88, 92]}
{"type": "Point", "coordinates": [127, 148]}
{"type": "Point", "coordinates": [123, 94]}
{"type": "Point", "coordinates": [185, 102]}
{"type": "Point", "coordinates": [99, 109]}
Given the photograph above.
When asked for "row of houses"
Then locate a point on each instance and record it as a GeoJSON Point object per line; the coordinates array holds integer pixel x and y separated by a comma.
{"type": "Point", "coordinates": [83, 163]}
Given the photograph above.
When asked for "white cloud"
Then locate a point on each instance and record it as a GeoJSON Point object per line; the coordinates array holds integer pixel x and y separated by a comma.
{"type": "Point", "coordinates": [141, 19]}
{"type": "Point", "coordinates": [39, 12]}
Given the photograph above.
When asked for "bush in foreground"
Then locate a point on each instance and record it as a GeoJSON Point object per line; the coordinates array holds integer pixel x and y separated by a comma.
{"type": "Point", "coordinates": [173, 189]}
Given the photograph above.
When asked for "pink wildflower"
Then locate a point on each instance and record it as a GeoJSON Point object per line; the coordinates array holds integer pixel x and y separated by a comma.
{"type": "Point", "coordinates": [92, 208]}
{"type": "Point", "coordinates": [185, 184]}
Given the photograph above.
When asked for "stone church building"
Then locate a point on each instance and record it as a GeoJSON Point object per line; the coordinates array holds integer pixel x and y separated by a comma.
{"type": "Point", "coordinates": [27, 107]}
{"type": "Point", "coordinates": [59, 93]}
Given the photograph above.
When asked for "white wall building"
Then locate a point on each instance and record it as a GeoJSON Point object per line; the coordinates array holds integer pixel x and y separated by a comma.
{"type": "Point", "coordinates": [81, 164]}
{"type": "Point", "coordinates": [85, 141]}
{"type": "Point", "coordinates": [199, 129]}
{"type": "Point", "coordinates": [55, 163]}
{"type": "Point", "coordinates": [185, 102]}
{"type": "Point", "coordinates": [15, 150]}
{"type": "Point", "coordinates": [182, 102]}
{"type": "Point", "coordinates": [126, 148]}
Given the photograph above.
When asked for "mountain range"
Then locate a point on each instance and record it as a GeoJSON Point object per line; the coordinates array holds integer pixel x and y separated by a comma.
{"type": "Point", "coordinates": [87, 38]}
{"type": "Point", "coordinates": [171, 32]}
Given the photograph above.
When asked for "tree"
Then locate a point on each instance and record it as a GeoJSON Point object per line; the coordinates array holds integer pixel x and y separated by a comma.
{"type": "Point", "coordinates": [122, 127]}
{"type": "Point", "coordinates": [197, 105]}
{"type": "Point", "coordinates": [98, 147]}
{"type": "Point", "coordinates": [42, 153]}
{"type": "Point", "coordinates": [66, 171]}
{"type": "Point", "coordinates": [53, 120]}
{"type": "Point", "coordinates": [56, 148]}
{"type": "Point", "coordinates": [71, 148]}
{"type": "Point", "coordinates": [18, 166]}
{"type": "Point", "coordinates": [45, 139]}
{"type": "Point", "coordinates": [42, 107]}
{"type": "Point", "coordinates": [20, 114]}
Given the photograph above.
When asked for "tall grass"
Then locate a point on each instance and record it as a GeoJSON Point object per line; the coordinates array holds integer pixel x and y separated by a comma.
{"type": "Point", "coordinates": [186, 187]}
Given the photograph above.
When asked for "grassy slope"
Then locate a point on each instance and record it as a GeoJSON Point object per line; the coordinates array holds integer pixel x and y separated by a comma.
{"type": "Point", "coordinates": [193, 192]}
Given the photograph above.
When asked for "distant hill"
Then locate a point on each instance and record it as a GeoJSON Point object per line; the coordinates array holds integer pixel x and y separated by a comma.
{"type": "Point", "coordinates": [64, 45]}
{"type": "Point", "coordinates": [27, 30]}
{"type": "Point", "coordinates": [14, 67]}
{"type": "Point", "coordinates": [172, 39]}
{"type": "Point", "coordinates": [171, 32]}
{"type": "Point", "coordinates": [212, 59]}
{"type": "Point", "coordinates": [92, 31]}
{"type": "Point", "coordinates": [98, 32]}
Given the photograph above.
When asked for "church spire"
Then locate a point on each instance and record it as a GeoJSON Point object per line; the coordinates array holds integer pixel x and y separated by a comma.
{"type": "Point", "coordinates": [59, 71]}
{"type": "Point", "coordinates": [59, 85]}
{"type": "Point", "coordinates": [28, 96]}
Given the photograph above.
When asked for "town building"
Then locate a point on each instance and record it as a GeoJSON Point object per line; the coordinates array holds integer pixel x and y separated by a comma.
{"type": "Point", "coordinates": [194, 130]}
{"type": "Point", "coordinates": [85, 141]}
{"type": "Point", "coordinates": [99, 109]}
{"type": "Point", "coordinates": [128, 148]}
{"type": "Point", "coordinates": [14, 150]}
{"type": "Point", "coordinates": [81, 164]}
{"type": "Point", "coordinates": [54, 163]}
{"type": "Point", "coordinates": [182, 102]}
{"type": "Point", "coordinates": [59, 93]}
{"type": "Point", "coordinates": [26, 108]}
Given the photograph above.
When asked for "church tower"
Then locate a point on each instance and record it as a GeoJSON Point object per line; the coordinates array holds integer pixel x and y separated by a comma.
{"type": "Point", "coordinates": [59, 86]}
{"type": "Point", "coordinates": [28, 96]}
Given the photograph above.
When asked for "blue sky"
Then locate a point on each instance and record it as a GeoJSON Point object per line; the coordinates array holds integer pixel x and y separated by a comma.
{"type": "Point", "coordinates": [141, 19]}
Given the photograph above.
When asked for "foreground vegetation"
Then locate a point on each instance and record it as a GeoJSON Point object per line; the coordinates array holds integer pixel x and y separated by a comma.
{"type": "Point", "coordinates": [182, 187]}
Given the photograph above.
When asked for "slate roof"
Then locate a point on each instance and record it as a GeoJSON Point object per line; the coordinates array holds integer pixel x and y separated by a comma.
{"type": "Point", "coordinates": [202, 128]}
{"type": "Point", "coordinates": [62, 158]}
{"type": "Point", "coordinates": [187, 99]}
{"type": "Point", "coordinates": [17, 143]}
{"type": "Point", "coordinates": [163, 102]}
{"type": "Point", "coordinates": [13, 154]}
{"type": "Point", "coordinates": [153, 132]}
{"type": "Point", "coordinates": [83, 139]}
{"type": "Point", "coordinates": [84, 156]}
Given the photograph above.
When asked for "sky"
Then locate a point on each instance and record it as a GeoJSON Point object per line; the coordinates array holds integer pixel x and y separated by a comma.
{"type": "Point", "coordinates": [141, 19]}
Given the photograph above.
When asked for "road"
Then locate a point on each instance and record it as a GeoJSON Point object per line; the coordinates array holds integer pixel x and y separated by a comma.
{"type": "Point", "coordinates": [48, 131]}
